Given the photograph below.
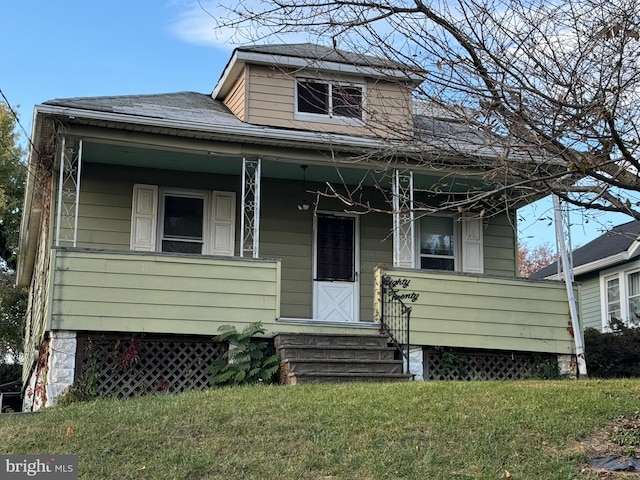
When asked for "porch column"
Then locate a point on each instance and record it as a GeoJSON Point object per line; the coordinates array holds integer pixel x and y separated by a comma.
{"type": "Point", "coordinates": [250, 219]}
{"type": "Point", "coordinates": [403, 220]}
{"type": "Point", "coordinates": [68, 192]}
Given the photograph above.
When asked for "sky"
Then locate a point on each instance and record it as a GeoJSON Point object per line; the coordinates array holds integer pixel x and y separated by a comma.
{"type": "Point", "coordinates": [72, 48]}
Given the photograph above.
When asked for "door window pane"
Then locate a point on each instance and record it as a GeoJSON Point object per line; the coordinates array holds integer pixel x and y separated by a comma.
{"type": "Point", "coordinates": [335, 248]}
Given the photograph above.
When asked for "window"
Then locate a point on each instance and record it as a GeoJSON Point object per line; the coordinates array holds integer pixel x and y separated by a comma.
{"type": "Point", "coordinates": [621, 299]}
{"type": "Point", "coordinates": [437, 243]}
{"type": "Point", "coordinates": [633, 282]}
{"type": "Point", "coordinates": [613, 300]}
{"type": "Point", "coordinates": [329, 99]}
{"type": "Point", "coordinates": [182, 221]}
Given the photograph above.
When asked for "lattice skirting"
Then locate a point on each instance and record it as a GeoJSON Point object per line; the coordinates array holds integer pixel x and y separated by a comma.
{"type": "Point", "coordinates": [464, 364]}
{"type": "Point", "coordinates": [124, 365]}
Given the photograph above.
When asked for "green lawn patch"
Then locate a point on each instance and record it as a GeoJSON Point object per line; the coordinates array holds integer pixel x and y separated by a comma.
{"type": "Point", "coordinates": [430, 430]}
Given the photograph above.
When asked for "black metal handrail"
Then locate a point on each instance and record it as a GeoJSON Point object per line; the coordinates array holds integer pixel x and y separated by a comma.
{"type": "Point", "coordinates": [395, 318]}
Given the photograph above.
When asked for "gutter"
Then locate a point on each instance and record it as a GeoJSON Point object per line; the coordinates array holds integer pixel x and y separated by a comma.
{"type": "Point", "coordinates": [30, 223]}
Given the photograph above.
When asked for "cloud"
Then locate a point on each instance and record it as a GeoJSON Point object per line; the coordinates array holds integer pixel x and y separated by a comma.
{"type": "Point", "coordinates": [197, 23]}
{"type": "Point", "coordinates": [203, 23]}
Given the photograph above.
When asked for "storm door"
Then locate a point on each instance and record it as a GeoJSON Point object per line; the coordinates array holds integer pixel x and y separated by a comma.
{"type": "Point", "coordinates": [336, 268]}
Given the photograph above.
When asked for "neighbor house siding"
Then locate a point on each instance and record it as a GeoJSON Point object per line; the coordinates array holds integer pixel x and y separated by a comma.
{"type": "Point", "coordinates": [271, 101]}
{"type": "Point", "coordinates": [474, 311]}
{"type": "Point", "coordinates": [590, 302]}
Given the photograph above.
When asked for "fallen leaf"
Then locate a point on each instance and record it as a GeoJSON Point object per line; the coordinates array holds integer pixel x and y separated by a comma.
{"type": "Point", "coordinates": [69, 431]}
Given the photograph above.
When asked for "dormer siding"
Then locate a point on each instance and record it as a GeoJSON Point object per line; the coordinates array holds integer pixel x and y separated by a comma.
{"type": "Point", "coordinates": [236, 99]}
{"type": "Point", "coordinates": [266, 95]}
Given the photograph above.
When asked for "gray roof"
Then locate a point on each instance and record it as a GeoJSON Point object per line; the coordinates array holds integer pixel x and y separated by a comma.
{"type": "Point", "coordinates": [319, 52]}
{"type": "Point", "coordinates": [202, 109]}
{"type": "Point", "coordinates": [197, 108]}
{"type": "Point", "coordinates": [615, 241]}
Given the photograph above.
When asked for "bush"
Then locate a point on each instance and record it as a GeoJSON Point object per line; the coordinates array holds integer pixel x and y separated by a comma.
{"type": "Point", "coordinates": [246, 361]}
{"type": "Point", "coordinates": [613, 355]}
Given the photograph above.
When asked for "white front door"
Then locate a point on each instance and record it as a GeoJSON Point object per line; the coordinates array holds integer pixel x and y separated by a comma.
{"type": "Point", "coordinates": [335, 291]}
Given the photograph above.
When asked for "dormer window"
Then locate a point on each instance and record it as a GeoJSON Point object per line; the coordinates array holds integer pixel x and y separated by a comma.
{"type": "Point", "coordinates": [318, 99]}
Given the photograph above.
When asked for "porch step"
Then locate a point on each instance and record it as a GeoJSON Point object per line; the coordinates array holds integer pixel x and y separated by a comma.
{"type": "Point", "coordinates": [337, 366]}
{"type": "Point", "coordinates": [310, 352]}
{"type": "Point", "coordinates": [318, 358]}
{"type": "Point", "coordinates": [311, 378]}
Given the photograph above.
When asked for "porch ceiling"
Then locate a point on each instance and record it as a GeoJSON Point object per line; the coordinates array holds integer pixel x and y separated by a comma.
{"type": "Point", "coordinates": [133, 156]}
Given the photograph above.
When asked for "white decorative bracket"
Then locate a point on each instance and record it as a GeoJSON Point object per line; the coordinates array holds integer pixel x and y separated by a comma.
{"type": "Point", "coordinates": [403, 220]}
{"type": "Point", "coordinates": [68, 192]}
{"type": "Point", "coordinates": [250, 223]}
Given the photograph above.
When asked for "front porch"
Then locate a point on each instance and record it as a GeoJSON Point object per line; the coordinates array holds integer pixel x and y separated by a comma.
{"type": "Point", "coordinates": [97, 290]}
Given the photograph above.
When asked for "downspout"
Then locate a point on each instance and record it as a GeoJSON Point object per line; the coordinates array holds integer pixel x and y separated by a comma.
{"type": "Point", "coordinates": [567, 275]}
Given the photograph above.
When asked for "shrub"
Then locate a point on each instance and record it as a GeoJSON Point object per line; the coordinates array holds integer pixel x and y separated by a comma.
{"type": "Point", "coordinates": [613, 355]}
{"type": "Point", "coordinates": [246, 361]}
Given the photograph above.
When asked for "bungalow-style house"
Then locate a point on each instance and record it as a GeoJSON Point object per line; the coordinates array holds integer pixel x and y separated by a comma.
{"type": "Point", "coordinates": [152, 220]}
{"type": "Point", "coordinates": [608, 272]}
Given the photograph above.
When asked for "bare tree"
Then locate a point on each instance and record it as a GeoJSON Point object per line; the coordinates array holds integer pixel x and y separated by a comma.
{"type": "Point", "coordinates": [533, 97]}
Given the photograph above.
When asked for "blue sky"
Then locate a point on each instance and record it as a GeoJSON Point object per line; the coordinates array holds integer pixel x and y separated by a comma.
{"type": "Point", "coordinates": [71, 48]}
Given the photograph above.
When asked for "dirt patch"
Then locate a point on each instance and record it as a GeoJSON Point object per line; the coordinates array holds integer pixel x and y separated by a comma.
{"type": "Point", "coordinates": [621, 438]}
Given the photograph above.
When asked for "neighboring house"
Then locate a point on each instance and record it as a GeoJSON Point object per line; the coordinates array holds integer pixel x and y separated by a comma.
{"type": "Point", "coordinates": [608, 271]}
{"type": "Point", "coordinates": [152, 220]}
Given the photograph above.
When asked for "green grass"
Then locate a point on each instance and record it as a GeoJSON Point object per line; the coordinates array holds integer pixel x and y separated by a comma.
{"type": "Point", "coordinates": [428, 430]}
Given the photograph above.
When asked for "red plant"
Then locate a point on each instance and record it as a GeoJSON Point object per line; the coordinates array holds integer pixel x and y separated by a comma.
{"type": "Point", "coordinates": [131, 354]}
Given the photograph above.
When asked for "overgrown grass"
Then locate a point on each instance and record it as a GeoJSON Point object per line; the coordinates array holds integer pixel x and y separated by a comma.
{"type": "Point", "coordinates": [429, 430]}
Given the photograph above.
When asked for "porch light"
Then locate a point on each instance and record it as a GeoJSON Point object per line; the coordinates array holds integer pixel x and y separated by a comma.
{"type": "Point", "coordinates": [304, 205]}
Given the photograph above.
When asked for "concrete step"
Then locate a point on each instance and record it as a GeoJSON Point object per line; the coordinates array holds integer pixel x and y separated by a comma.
{"type": "Point", "coordinates": [330, 340]}
{"type": "Point", "coordinates": [319, 358]}
{"type": "Point", "coordinates": [311, 378]}
{"type": "Point", "coordinates": [367, 367]}
{"type": "Point", "coordinates": [308, 352]}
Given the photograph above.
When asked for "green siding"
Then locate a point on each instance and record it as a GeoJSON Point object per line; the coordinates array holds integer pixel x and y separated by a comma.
{"type": "Point", "coordinates": [285, 233]}
{"type": "Point", "coordinates": [474, 311]}
{"type": "Point", "coordinates": [111, 291]}
{"type": "Point", "coordinates": [590, 303]}
{"type": "Point", "coordinates": [499, 246]}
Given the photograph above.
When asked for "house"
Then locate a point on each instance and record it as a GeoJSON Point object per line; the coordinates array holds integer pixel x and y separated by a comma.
{"type": "Point", "coordinates": [152, 220]}
{"type": "Point", "coordinates": [608, 271]}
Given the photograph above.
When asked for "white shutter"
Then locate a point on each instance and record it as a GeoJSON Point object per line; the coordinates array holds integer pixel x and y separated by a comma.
{"type": "Point", "coordinates": [472, 246]}
{"type": "Point", "coordinates": [144, 215]}
{"type": "Point", "coordinates": [223, 233]}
